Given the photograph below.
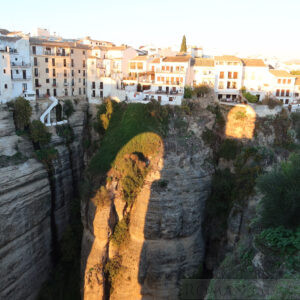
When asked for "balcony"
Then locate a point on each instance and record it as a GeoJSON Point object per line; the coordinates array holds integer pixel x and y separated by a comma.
{"type": "Point", "coordinates": [171, 71]}
{"type": "Point", "coordinates": [21, 78]}
{"type": "Point", "coordinates": [20, 64]}
{"type": "Point", "coordinates": [66, 84]}
{"type": "Point", "coordinates": [54, 85]}
{"type": "Point", "coordinates": [38, 85]}
{"type": "Point", "coordinates": [62, 54]}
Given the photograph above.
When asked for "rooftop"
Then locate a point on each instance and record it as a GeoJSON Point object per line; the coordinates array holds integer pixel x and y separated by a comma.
{"type": "Point", "coordinates": [62, 43]}
{"type": "Point", "coordinates": [204, 62]}
{"type": "Point", "coordinates": [228, 58]}
{"type": "Point", "coordinates": [177, 58]}
{"type": "Point", "coordinates": [141, 57]}
{"type": "Point", "coordinates": [250, 62]}
{"type": "Point", "coordinates": [281, 73]}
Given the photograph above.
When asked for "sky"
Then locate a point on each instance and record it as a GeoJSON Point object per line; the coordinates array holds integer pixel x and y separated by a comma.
{"type": "Point", "coordinates": [240, 27]}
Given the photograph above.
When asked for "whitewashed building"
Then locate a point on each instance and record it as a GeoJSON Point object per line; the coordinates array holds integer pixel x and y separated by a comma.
{"type": "Point", "coordinates": [204, 72]}
{"type": "Point", "coordinates": [5, 77]}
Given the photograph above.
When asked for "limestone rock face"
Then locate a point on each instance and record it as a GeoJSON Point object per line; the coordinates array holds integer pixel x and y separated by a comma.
{"type": "Point", "coordinates": [165, 241]}
{"type": "Point", "coordinates": [28, 200]}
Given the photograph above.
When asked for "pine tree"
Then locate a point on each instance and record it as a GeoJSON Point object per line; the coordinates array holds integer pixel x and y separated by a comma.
{"type": "Point", "coordinates": [183, 44]}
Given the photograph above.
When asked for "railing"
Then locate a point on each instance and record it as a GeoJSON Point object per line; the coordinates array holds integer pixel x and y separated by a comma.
{"type": "Point", "coordinates": [21, 78]}
{"type": "Point", "coordinates": [14, 64]}
{"type": "Point", "coordinates": [171, 71]}
{"type": "Point", "coordinates": [38, 85]}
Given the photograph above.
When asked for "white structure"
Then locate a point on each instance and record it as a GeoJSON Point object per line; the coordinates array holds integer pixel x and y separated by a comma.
{"type": "Point", "coordinates": [204, 72]}
{"type": "Point", "coordinates": [5, 77]}
{"type": "Point", "coordinates": [20, 66]}
{"type": "Point", "coordinates": [47, 114]}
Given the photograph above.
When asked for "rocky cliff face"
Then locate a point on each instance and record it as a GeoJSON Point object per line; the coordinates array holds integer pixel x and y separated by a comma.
{"type": "Point", "coordinates": [165, 240]}
{"type": "Point", "coordinates": [34, 207]}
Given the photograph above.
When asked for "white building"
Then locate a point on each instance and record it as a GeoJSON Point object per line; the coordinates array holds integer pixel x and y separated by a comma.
{"type": "Point", "coordinates": [20, 63]}
{"type": "Point", "coordinates": [229, 76]}
{"type": "Point", "coordinates": [204, 72]}
{"type": "Point", "coordinates": [5, 77]}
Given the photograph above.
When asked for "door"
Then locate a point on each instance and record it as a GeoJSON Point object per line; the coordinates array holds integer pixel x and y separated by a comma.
{"type": "Point", "coordinates": [167, 90]}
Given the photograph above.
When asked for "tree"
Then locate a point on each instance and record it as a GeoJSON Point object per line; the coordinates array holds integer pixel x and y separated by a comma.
{"type": "Point", "coordinates": [22, 113]}
{"type": "Point", "coordinates": [39, 134]}
{"type": "Point", "coordinates": [68, 108]}
{"type": "Point", "coordinates": [183, 44]}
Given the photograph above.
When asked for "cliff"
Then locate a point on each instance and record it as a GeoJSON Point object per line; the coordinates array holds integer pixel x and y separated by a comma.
{"type": "Point", "coordinates": [34, 204]}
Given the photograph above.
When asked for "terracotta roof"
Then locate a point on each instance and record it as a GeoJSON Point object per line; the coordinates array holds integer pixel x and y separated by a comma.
{"type": "Point", "coordinates": [155, 61]}
{"type": "Point", "coordinates": [177, 58]}
{"type": "Point", "coordinates": [117, 48]}
{"type": "Point", "coordinates": [227, 58]}
{"type": "Point", "coordinates": [141, 57]}
{"type": "Point", "coordinates": [250, 62]}
{"type": "Point", "coordinates": [297, 80]}
{"type": "Point", "coordinates": [204, 62]}
{"type": "Point", "coordinates": [281, 73]}
{"type": "Point", "coordinates": [37, 41]}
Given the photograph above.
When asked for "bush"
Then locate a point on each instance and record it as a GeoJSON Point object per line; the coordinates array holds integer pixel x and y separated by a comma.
{"type": "Point", "coordinates": [188, 92]}
{"type": "Point", "coordinates": [68, 108]}
{"type": "Point", "coordinates": [39, 134]}
{"type": "Point", "coordinates": [120, 233]}
{"type": "Point", "coordinates": [66, 132]}
{"type": "Point", "coordinates": [280, 205]}
{"type": "Point", "coordinates": [250, 98]}
{"type": "Point", "coordinates": [22, 113]}
{"type": "Point", "coordinates": [229, 149]}
{"type": "Point", "coordinates": [105, 117]}
{"type": "Point", "coordinates": [202, 90]}
{"type": "Point", "coordinates": [46, 155]}
{"type": "Point", "coordinates": [271, 102]}
{"type": "Point", "coordinates": [112, 268]}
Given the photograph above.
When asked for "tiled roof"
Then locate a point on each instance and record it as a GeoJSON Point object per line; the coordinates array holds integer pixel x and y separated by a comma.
{"type": "Point", "coordinates": [155, 61]}
{"type": "Point", "coordinates": [37, 41]}
{"type": "Point", "coordinates": [177, 58]}
{"type": "Point", "coordinates": [117, 48]}
{"type": "Point", "coordinates": [281, 73]}
{"type": "Point", "coordinates": [204, 62]}
{"type": "Point", "coordinates": [141, 57]}
{"type": "Point", "coordinates": [250, 62]}
{"type": "Point", "coordinates": [227, 58]}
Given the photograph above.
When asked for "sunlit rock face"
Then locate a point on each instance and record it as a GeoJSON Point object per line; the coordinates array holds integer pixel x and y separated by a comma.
{"type": "Point", "coordinates": [165, 242]}
{"type": "Point", "coordinates": [241, 122]}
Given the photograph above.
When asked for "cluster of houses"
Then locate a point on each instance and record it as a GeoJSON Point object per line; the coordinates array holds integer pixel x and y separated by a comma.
{"type": "Point", "coordinates": [40, 66]}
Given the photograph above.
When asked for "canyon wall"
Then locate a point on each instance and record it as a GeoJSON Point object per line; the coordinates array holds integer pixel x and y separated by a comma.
{"type": "Point", "coordinates": [34, 203]}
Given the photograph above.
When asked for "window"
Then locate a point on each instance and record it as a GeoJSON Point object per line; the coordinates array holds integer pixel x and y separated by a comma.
{"type": "Point", "coordinates": [72, 51]}
{"type": "Point", "coordinates": [72, 62]}
{"type": "Point", "coordinates": [36, 81]}
{"type": "Point", "coordinates": [72, 73]}
{"type": "Point", "coordinates": [282, 93]}
{"type": "Point", "coordinates": [221, 75]}
{"type": "Point", "coordinates": [79, 80]}
{"type": "Point", "coordinates": [66, 92]}
{"type": "Point", "coordinates": [53, 73]}
{"type": "Point", "coordinates": [171, 99]}
{"type": "Point", "coordinates": [53, 62]}
{"type": "Point", "coordinates": [72, 81]}
{"type": "Point", "coordinates": [83, 63]}
{"type": "Point", "coordinates": [168, 68]}
{"type": "Point", "coordinates": [47, 70]}
{"type": "Point", "coordinates": [83, 81]}
{"type": "Point", "coordinates": [277, 93]}
{"type": "Point", "coordinates": [17, 71]}
{"type": "Point", "coordinates": [235, 75]}
{"type": "Point", "coordinates": [101, 94]}
{"type": "Point", "coordinates": [65, 62]}
{"type": "Point", "coordinates": [35, 61]}
{"type": "Point", "coordinates": [132, 65]}
{"type": "Point", "coordinates": [93, 85]}
{"type": "Point", "coordinates": [83, 52]}
{"type": "Point", "coordinates": [289, 81]}
{"type": "Point", "coordinates": [33, 50]}
{"type": "Point", "coordinates": [221, 85]}
{"type": "Point", "coordinates": [54, 92]}
{"type": "Point", "coordinates": [79, 91]}
{"type": "Point", "coordinates": [46, 59]}
{"type": "Point", "coordinates": [284, 81]}
{"type": "Point", "coordinates": [54, 82]}
{"type": "Point", "coordinates": [279, 81]}
{"type": "Point", "coordinates": [101, 85]}
{"type": "Point", "coordinates": [5, 85]}
{"type": "Point", "coordinates": [229, 75]}
{"type": "Point", "coordinates": [83, 91]}
{"type": "Point", "coordinates": [228, 84]}
{"type": "Point", "coordinates": [234, 85]}
{"type": "Point", "coordinates": [163, 68]}
{"type": "Point", "coordinates": [47, 80]}
{"type": "Point", "coordinates": [159, 98]}
{"type": "Point", "coordinates": [140, 65]}
{"type": "Point", "coordinates": [287, 93]}
{"type": "Point", "coordinates": [78, 71]}
{"type": "Point", "coordinates": [65, 73]}
{"type": "Point", "coordinates": [158, 78]}
{"type": "Point", "coordinates": [36, 72]}
{"type": "Point", "coordinates": [48, 92]}
{"type": "Point", "coordinates": [286, 101]}
{"type": "Point", "coordinates": [83, 74]}
{"type": "Point", "coordinates": [37, 92]}
{"type": "Point", "coordinates": [93, 93]}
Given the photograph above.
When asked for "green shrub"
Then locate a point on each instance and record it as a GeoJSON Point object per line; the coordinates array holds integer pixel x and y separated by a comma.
{"type": "Point", "coordinates": [188, 92]}
{"type": "Point", "coordinates": [39, 133]}
{"type": "Point", "coordinates": [22, 113]}
{"type": "Point", "coordinates": [271, 102]}
{"type": "Point", "coordinates": [296, 123]}
{"type": "Point", "coordinates": [229, 149]}
{"type": "Point", "coordinates": [250, 98]}
{"type": "Point", "coordinates": [68, 108]}
{"type": "Point", "coordinates": [209, 137]}
{"type": "Point", "coordinates": [66, 132]}
{"type": "Point", "coordinates": [105, 117]}
{"type": "Point", "coordinates": [46, 155]}
{"type": "Point", "coordinates": [112, 268]}
{"type": "Point", "coordinates": [202, 90]}
{"type": "Point", "coordinates": [120, 232]}
{"type": "Point", "coordinates": [281, 190]}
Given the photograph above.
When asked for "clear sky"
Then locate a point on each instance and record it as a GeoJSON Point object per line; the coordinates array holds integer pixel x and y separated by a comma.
{"type": "Point", "coordinates": [247, 27]}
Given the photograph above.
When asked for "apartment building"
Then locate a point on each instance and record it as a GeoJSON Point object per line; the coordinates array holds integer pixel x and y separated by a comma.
{"type": "Point", "coordinates": [204, 72]}
{"type": "Point", "coordinates": [282, 85]}
{"type": "Point", "coordinates": [229, 75]}
{"type": "Point", "coordinates": [5, 77]}
{"type": "Point", "coordinates": [297, 89]}
{"type": "Point", "coordinates": [59, 68]}
{"type": "Point", "coordinates": [16, 45]}
{"type": "Point", "coordinates": [255, 77]}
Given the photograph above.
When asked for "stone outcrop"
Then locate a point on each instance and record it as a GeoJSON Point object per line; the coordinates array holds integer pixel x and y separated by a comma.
{"type": "Point", "coordinates": [34, 204]}
{"type": "Point", "coordinates": [165, 241]}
